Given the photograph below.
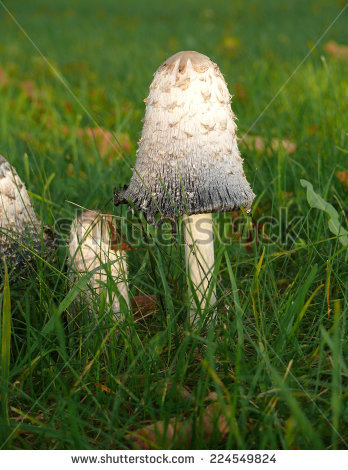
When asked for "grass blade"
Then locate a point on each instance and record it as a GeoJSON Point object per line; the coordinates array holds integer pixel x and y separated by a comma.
{"type": "Point", "coordinates": [5, 343]}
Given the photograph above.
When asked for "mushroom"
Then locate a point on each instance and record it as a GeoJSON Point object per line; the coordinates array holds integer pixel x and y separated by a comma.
{"type": "Point", "coordinates": [95, 243]}
{"type": "Point", "coordinates": [188, 163]}
{"type": "Point", "coordinates": [21, 235]}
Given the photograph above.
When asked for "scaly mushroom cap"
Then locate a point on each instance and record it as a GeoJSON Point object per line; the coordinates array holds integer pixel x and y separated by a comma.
{"type": "Point", "coordinates": [20, 229]}
{"type": "Point", "coordinates": [93, 243]}
{"type": "Point", "coordinates": [188, 160]}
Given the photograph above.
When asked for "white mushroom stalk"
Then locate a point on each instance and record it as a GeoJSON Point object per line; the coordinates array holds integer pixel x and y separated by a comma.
{"type": "Point", "coordinates": [188, 162]}
{"type": "Point", "coordinates": [21, 234]}
{"type": "Point", "coordinates": [199, 256]}
{"type": "Point", "coordinates": [94, 243]}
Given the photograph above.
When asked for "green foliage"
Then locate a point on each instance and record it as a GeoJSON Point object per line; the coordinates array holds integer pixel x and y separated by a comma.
{"type": "Point", "coordinates": [316, 201]}
{"type": "Point", "coordinates": [5, 347]}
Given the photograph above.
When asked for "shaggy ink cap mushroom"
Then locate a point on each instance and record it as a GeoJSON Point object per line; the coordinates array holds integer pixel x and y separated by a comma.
{"type": "Point", "coordinates": [21, 235]}
{"type": "Point", "coordinates": [95, 242]}
{"type": "Point", "coordinates": [188, 160]}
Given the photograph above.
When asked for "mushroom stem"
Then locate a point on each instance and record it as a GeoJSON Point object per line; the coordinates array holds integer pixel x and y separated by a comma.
{"type": "Point", "coordinates": [95, 243]}
{"type": "Point", "coordinates": [199, 255]}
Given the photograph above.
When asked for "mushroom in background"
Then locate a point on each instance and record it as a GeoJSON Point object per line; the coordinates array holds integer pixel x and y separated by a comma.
{"type": "Point", "coordinates": [188, 163]}
{"type": "Point", "coordinates": [21, 235]}
{"type": "Point", "coordinates": [94, 242]}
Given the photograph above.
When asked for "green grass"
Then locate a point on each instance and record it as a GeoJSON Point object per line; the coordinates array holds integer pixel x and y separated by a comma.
{"type": "Point", "coordinates": [276, 361]}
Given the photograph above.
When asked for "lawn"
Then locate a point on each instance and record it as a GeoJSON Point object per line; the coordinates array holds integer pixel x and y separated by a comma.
{"type": "Point", "coordinates": [271, 372]}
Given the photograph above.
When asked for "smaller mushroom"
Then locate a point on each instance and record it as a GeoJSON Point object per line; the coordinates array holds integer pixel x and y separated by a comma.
{"type": "Point", "coordinates": [94, 242]}
{"type": "Point", "coordinates": [21, 234]}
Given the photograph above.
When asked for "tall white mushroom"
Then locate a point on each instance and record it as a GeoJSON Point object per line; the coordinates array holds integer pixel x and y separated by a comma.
{"type": "Point", "coordinates": [188, 162]}
{"type": "Point", "coordinates": [21, 235]}
{"type": "Point", "coordinates": [94, 243]}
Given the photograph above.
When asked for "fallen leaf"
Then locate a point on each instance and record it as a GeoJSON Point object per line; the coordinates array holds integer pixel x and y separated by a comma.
{"type": "Point", "coordinates": [158, 435]}
{"type": "Point", "coordinates": [234, 214]}
{"type": "Point", "coordinates": [65, 130]}
{"type": "Point", "coordinates": [22, 415]}
{"type": "Point", "coordinates": [343, 177]}
{"type": "Point", "coordinates": [339, 51]}
{"type": "Point", "coordinates": [253, 142]}
{"type": "Point", "coordinates": [104, 388]}
{"type": "Point", "coordinates": [105, 141]}
{"type": "Point", "coordinates": [103, 138]}
{"type": "Point", "coordinates": [313, 129]}
{"type": "Point", "coordinates": [289, 146]}
{"type": "Point", "coordinates": [67, 106]}
{"type": "Point", "coordinates": [180, 391]}
{"type": "Point", "coordinates": [256, 142]}
{"type": "Point", "coordinates": [125, 141]}
{"type": "Point", "coordinates": [240, 93]}
{"type": "Point", "coordinates": [28, 86]}
{"type": "Point", "coordinates": [215, 418]}
{"type": "Point", "coordinates": [212, 396]}
{"type": "Point", "coordinates": [144, 304]}
{"type": "Point", "coordinates": [288, 193]}
{"type": "Point", "coordinates": [70, 171]}
{"type": "Point", "coordinates": [153, 436]}
{"type": "Point", "coordinates": [4, 80]}
{"type": "Point", "coordinates": [25, 136]}
{"type": "Point", "coordinates": [48, 121]}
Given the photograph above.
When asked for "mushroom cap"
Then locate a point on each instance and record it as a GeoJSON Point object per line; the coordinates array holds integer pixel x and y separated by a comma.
{"type": "Point", "coordinates": [20, 229]}
{"type": "Point", "coordinates": [92, 244]}
{"type": "Point", "coordinates": [188, 160]}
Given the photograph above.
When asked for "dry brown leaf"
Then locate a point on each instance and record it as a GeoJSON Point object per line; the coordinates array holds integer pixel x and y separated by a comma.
{"type": "Point", "coordinates": [313, 129]}
{"type": "Point", "coordinates": [240, 92]}
{"type": "Point", "coordinates": [212, 396]}
{"type": "Point", "coordinates": [67, 106]}
{"type": "Point", "coordinates": [157, 435]}
{"type": "Point", "coordinates": [4, 80]}
{"type": "Point", "coordinates": [144, 304]}
{"type": "Point", "coordinates": [65, 130]}
{"type": "Point", "coordinates": [85, 370]}
{"type": "Point", "coordinates": [339, 51]}
{"type": "Point", "coordinates": [106, 142]}
{"type": "Point", "coordinates": [256, 142]}
{"type": "Point", "coordinates": [35, 95]}
{"type": "Point", "coordinates": [343, 177]}
{"type": "Point", "coordinates": [214, 414]}
{"type": "Point", "coordinates": [70, 171]}
{"type": "Point", "coordinates": [289, 146]}
{"type": "Point", "coordinates": [28, 86]}
{"type": "Point", "coordinates": [287, 193]}
{"type": "Point", "coordinates": [38, 419]}
{"type": "Point", "coordinates": [149, 436]}
{"type": "Point", "coordinates": [253, 142]}
{"type": "Point", "coordinates": [180, 391]}
{"type": "Point", "coordinates": [104, 388]}
{"type": "Point", "coordinates": [25, 136]}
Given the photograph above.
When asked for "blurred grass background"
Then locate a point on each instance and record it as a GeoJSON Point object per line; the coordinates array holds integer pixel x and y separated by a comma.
{"type": "Point", "coordinates": [275, 367]}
